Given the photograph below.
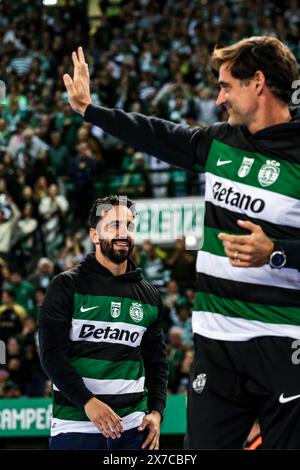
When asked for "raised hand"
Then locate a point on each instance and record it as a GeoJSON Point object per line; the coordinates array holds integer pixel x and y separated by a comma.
{"type": "Point", "coordinates": [78, 88]}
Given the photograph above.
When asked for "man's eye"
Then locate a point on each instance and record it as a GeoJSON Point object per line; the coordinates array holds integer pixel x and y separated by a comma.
{"type": "Point", "coordinates": [130, 227]}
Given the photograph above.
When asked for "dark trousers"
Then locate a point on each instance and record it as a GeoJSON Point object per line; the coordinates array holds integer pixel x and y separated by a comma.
{"type": "Point", "coordinates": [233, 383]}
{"type": "Point", "coordinates": [131, 439]}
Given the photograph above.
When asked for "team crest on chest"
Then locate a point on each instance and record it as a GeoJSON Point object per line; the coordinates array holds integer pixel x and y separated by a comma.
{"type": "Point", "coordinates": [136, 312]}
{"type": "Point", "coordinates": [245, 167]}
{"type": "Point", "coordinates": [115, 309]}
{"type": "Point", "coordinates": [269, 173]}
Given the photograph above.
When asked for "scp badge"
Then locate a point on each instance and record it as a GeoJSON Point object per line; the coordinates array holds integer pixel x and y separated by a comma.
{"type": "Point", "coordinates": [269, 173]}
{"type": "Point", "coordinates": [199, 383]}
{"type": "Point", "coordinates": [136, 312]}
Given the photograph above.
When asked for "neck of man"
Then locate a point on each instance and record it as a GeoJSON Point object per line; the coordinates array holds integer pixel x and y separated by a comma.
{"type": "Point", "coordinates": [115, 269]}
{"type": "Point", "coordinates": [271, 114]}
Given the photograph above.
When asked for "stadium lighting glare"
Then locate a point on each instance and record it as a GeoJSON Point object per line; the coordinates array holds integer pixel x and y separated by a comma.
{"type": "Point", "coordinates": [49, 2]}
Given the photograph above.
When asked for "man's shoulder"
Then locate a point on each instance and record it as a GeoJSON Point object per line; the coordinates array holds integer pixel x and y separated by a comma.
{"type": "Point", "coordinates": [152, 292]}
{"type": "Point", "coordinates": [67, 277]}
{"type": "Point", "coordinates": [221, 130]}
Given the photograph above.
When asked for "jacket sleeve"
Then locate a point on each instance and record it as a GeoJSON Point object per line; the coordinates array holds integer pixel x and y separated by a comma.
{"type": "Point", "coordinates": [55, 320]}
{"type": "Point", "coordinates": [156, 367]}
{"type": "Point", "coordinates": [173, 143]}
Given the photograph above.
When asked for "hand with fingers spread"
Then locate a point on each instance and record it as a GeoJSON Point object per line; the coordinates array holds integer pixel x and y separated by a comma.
{"type": "Point", "coordinates": [152, 423]}
{"type": "Point", "coordinates": [78, 88]}
{"type": "Point", "coordinates": [247, 251]}
{"type": "Point", "coordinates": [106, 420]}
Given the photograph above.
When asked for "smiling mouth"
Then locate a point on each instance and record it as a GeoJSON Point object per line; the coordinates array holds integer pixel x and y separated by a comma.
{"type": "Point", "coordinates": [121, 244]}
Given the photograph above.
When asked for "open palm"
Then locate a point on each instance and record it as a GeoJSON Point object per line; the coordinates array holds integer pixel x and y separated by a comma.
{"type": "Point", "coordinates": [78, 88]}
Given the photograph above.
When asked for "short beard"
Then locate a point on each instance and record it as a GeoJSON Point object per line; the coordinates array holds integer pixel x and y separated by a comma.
{"type": "Point", "coordinates": [107, 249]}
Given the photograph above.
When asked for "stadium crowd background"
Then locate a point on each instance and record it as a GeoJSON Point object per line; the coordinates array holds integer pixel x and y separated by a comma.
{"type": "Point", "coordinates": [145, 56]}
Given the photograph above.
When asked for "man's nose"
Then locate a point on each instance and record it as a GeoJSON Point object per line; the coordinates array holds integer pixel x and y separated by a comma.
{"type": "Point", "coordinates": [122, 231]}
{"type": "Point", "coordinates": [221, 98]}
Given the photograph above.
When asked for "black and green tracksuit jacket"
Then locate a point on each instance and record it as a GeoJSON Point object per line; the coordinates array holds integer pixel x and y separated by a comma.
{"type": "Point", "coordinates": [252, 177]}
{"type": "Point", "coordinates": [100, 336]}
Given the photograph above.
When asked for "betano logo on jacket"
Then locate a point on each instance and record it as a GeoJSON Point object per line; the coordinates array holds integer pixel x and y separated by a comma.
{"type": "Point", "coordinates": [107, 332]}
{"type": "Point", "coordinates": [237, 199]}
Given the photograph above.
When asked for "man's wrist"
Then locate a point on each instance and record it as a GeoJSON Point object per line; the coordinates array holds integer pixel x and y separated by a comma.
{"type": "Point", "coordinates": [157, 413]}
{"type": "Point", "coordinates": [88, 401]}
{"type": "Point", "coordinates": [83, 109]}
{"type": "Point", "coordinates": [277, 258]}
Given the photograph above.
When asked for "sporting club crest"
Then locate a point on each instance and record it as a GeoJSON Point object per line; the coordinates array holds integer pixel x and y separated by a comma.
{"type": "Point", "coordinates": [269, 173]}
{"type": "Point", "coordinates": [199, 383]}
{"type": "Point", "coordinates": [136, 312]}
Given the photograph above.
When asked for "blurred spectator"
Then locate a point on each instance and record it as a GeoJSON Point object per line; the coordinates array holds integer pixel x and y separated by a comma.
{"type": "Point", "coordinates": [52, 210]}
{"type": "Point", "coordinates": [35, 376]}
{"type": "Point", "coordinates": [58, 153]}
{"type": "Point", "coordinates": [32, 145]}
{"type": "Point", "coordinates": [82, 173]}
{"type": "Point", "coordinates": [47, 389]}
{"type": "Point", "coordinates": [28, 332]}
{"type": "Point", "coordinates": [11, 390]}
{"type": "Point", "coordinates": [39, 296]}
{"type": "Point", "coordinates": [175, 353]}
{"type": "Point", "coordinates": [11, 315]}
{"type": "Point", "coordinates": [152, 261]}
{"type": "Point", "coordinates": [184, 372]}
{"type": "Point", "coordinates": [43, 273]}
{"type": "Point", "coordinates": [13, 348]}
{"type": "Point", "coordinates": [22, 63]}
{"type": "Point", "coordinates": [4, 134]}
{"type": "Point", "coordinates": [14, 362]}
{"type": "Point", "coordinates": [4, 378]}
{"type": "Point", "coordinates": [206, 107]}
{"type": "Point", "coordinates": [190, 294]}
{"type": "Point", "coordinates": [136, 183]}
{"type": "Point", "coordinates": [25, 240]}
{"type": "Point", "coordinates": [177, 186]}
{"type": "Point", "coordinates": [85, 135]}
{"type": "Point", "coordinates": [172, 295]}
{"type": "Point", "coordinates": [40, 189]}
{"type": "Point", "coordinates": [159, 176]}
{"type": "Point", "coordinates": [23, 290]}
{"type": "Point", "coordinates": [182, 265]}
{"type": "Point", "coordinates": [13, 115]}
{"type": "Point", "coordinates": [9, 216]}
{"type": "Point", "coordinates": [181, 316]}
{"type": "Point", "coordinates": [27, 198]}
{"type": "Point", "coordinates": [72, 252]}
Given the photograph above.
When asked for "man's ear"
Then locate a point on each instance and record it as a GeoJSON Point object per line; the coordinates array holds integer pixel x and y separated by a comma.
{"type": "Point", "coordinates": [260, 81]}
{"type": "Point", "coordinates": [93, 235]}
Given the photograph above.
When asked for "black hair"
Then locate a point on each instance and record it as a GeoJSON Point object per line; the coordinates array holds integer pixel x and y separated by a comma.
{"type": "Point", "coordinates": [105, 204]}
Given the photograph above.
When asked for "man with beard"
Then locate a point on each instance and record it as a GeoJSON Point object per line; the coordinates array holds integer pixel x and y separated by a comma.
{"type": "Point", "coordinates": [101, 343]}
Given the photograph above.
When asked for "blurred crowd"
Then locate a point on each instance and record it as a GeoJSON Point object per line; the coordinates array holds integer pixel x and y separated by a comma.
{"type": "Point", "coordinates": [144, 56]}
